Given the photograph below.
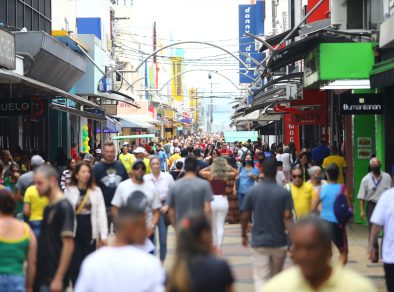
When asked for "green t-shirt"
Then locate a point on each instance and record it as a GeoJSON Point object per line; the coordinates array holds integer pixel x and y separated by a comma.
{"type": "Point", "coordinates": [12, 187]}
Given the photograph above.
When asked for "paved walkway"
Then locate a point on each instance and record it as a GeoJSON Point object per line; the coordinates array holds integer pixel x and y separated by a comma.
{"type": "Point", "coordinates": [239, 258]}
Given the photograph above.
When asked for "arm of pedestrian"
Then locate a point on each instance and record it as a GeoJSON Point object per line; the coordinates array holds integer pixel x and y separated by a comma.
{"type": "Point", "coordinates": [315, 202]}
{"type": "Point", "coordinates": [206, 172]}
{"type": "Point", "coordinates": [171, 213]}
{"type": "Point", "coordinates": [114, 211]}
{"type": "Point", "coordinates": [31, 262]}
{"type": "Point", "coordinates": [26, 210]}
{"type": "Point", "coordinates": [288, 221]}
{"type": "Point", "coordinates": [207, 209]}
{"type": "Point", "coordinates": [156, 216]}
{"type": "Point", "coordinates": [229, 288]}
{"type": "Point", "coordinates": [65, 259]}
{"type": "Point", "coordinates": [245, 219]}
{"type": "Point", "coordinates": [375, 230]}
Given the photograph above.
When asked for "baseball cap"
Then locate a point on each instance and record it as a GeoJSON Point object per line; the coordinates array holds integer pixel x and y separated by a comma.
{"type": "Point", "coordinates": [88, 157]}
{"type": "Point", "coordinates": [177, 150]}
{"type": "Point", "coordinates": [139, 150]}
{"type": "Point", "coordinates": [98, 151]}
{"type": "Point", "coordinates": [126, 144]}
{"type": "Point", "coordinates": [37, 160]}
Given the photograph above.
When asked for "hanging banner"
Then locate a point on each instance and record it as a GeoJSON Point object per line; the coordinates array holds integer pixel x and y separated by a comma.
{"type": "Point", "coordinates": [251, 21]}
{"type": "Point", "coordinates": [177, 81]}
{"type": "Point", "coordinates": [291, 132]}
{"type": "Point", "coordinates": [309, 117]}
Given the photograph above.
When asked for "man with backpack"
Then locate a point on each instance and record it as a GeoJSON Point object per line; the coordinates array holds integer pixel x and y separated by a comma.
{"type": "Point", "coordinates": [335, 210]}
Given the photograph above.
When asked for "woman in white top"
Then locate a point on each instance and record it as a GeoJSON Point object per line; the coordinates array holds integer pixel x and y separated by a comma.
{"type": "Point", "coordinates": [316, 180]}
{"type": "Point", "coordinates": [285, 158]}
{"type": "Point", "coordinates": [91, 219]}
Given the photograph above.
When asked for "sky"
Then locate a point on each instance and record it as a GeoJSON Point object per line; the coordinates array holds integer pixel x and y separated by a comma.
{"type": "Point", "coordinates": [213, 21]}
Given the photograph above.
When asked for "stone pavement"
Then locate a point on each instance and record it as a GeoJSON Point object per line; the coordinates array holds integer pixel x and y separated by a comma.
{"type": "Point", "coordinates": [239, 258]}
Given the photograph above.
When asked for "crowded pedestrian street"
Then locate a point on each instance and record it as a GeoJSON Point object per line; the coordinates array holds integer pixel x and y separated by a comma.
{"type": "Point", "coordinates": [196, 146]}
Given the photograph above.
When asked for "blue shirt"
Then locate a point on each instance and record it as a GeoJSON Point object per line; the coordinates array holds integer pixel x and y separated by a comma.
{"type": "Point", "coordinates": [268, 154]}
{"type": "Point", "coordinates": [319, 153]}
{"type": "Point", "coordinates": [328, 194]}
{"type": "Point", "coordinates": [245, 182]}
{"type": "Point", "coordinates": [163, 157]}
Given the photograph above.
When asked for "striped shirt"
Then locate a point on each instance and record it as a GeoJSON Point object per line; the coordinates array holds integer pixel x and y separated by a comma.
{"type": "Point", "coordinates": [66, 179]}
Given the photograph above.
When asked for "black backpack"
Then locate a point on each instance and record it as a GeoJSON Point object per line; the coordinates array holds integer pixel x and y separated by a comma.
{"type": "Point", "coordinates": [343, 212]}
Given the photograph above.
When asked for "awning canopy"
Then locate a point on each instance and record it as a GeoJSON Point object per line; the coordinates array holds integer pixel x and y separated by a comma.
{"type": "Point", "coordinates": [30, 87]}
{"type": "Point", "coordinates": [273, 41]}
{"type": "Point", "coordinates": [253, 116]}
{"type": "Point", "coordinates": [144, 136]}
{"type": "Point", "coordinates": [92, 116]}
{"type": "Point", "coordinates": [117, 96]}
{"type": "Point", "coordinates": [382, 74]}
{"type": "Point", "coordinates": [128, 121]}
{"type": "Point", "coordinates": [52, 62]}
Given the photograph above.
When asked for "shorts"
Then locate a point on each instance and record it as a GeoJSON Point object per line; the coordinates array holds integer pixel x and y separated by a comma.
{"type": "Point", "coordinates": [339, 236]}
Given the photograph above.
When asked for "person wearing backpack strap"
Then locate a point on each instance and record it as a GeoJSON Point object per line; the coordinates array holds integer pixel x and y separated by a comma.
{"type": "Point", "coordinates": [329, 196]}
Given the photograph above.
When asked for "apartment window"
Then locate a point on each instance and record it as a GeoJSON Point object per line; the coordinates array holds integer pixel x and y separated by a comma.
{"type": "Point", "coordinates": [364, 14]}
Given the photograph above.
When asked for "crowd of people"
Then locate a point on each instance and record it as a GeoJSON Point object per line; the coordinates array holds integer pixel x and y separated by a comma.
{"type": "Point", "coordinates": [100, 222]}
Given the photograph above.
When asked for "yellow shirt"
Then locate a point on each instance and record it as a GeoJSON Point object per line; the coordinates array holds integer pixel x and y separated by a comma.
{"type": "Point", "coordinates": [341, 280]}
{"type": "Point", "coordinates": [302, 198]}
{"type": "Point", "coordinates": [127, 161]}
{"type": "Point", "coordinates": [340, 162]}
{"type": "Point", "coordinates": [37, 203]}
{"type": "Point", "coordinates": [147, 164]}
{"type": "Point", "coordinates": [172, 159]}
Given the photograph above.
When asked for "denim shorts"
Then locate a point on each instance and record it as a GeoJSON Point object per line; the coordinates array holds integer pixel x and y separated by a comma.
{"type": "Point", "coordinates": [12, 283]}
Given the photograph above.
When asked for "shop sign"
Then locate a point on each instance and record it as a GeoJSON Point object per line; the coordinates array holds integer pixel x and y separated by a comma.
{"type": "Point", "coordinates": [308, 117]}
{"type": "Point", "coordinates": [15, 106]}
{"type": "Point", "coordinates": [291, 132]}
{"type": "Point", "coordinates": [364, 142]}
{"type": "Point", "coordinates": [7, 50]}
{"type": "Point", "coordinates": [361, 104]}
{"type": "Point", "coordinates": [364, 153]}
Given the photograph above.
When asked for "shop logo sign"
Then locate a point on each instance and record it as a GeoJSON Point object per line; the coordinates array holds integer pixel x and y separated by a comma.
{"type": "Point", "coordinates": [361, 104]}
{"type": "Point", "coordinates": [15, 106]}
{"type": "Point", "coordinates": [7, 50]}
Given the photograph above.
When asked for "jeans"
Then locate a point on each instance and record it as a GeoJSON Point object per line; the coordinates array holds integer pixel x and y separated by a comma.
{"type": "Point", "coordinates": [12, 283]}
{"type": "Point", "coordinates": [240, 198]}
{"type": "Point", "coordinates": [389, 275]}
{"type": "Point", "coordinates": [163, 229]}
{"type": "Point", "coordinates": [267, 262]}
{"type": "Point", "coordinates": [219, 207]}
{"type": "Point", "coordinates": [36, 227]}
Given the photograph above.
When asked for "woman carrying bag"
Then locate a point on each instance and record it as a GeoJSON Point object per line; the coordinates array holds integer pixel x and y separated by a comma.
{"type": "Point", "coordinates": [91, 219]}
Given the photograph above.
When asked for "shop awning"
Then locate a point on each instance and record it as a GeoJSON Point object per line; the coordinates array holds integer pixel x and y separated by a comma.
{"type": "Point", "coordinates": [128, 121]}
{"type": "Point", "coordinates": [110, 126]}
{"type": "Point", "coordinates": [273, 41]}
{"type": "Point", "coordinates": [116, 96]}
{"type": "Point", "coordinates": [62, 108]}
{"type": "Point", "coordinates": [382, 74]}
{"type": "Point", "coordinates": [53, 62]}
{"type": "Point", "coordinates": [31, 87]}
{"type": "Point", "coordinates": [267, 129]}
{"type": "Point", "coordinates": [144, 136]}
{"type": "Point", "coordinates": [253, 116]}
{"type": "Point", "coordinates": [147, 119]}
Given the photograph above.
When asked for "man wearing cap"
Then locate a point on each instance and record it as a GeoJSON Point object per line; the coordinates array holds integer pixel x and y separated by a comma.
{"type": "Point", "coordinates": [139, 154]}
{"type": "Point", "coordinates": [174, 157]}
{"type": "Point", "coordinates": [126, 158]}
{"type": "Point", "coordinates": [27, 179]}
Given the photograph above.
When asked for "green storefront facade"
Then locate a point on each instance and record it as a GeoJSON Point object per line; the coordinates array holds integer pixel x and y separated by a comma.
{"type": "Point", "coordinates": [362, 132]}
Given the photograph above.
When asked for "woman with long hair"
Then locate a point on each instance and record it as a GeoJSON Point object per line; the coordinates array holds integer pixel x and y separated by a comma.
{"type": "Point", "coordinates": [195, 267]}
{"type": "Point", "coordinates": [327, 197]}
{"type": "Point", "coordinates": [214, 154]}
{"type": "Point", "coordinates": [65, 180]}
{"type": "Point", "coordinates": [17, 245]}
{"type": "Point", "coordinates": [218, 174]}
{"type": "Point", "coordinates": [91, 217]}
{"type": "Point", "coordinates": [248, 174]}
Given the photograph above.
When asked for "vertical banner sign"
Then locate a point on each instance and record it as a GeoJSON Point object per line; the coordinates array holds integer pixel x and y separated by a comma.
{"type": "Point", "coordinates": [291, 132]}
{"type": "Point", "coordinates": [250, 21]}
{"type": "Point", "coordinates": [177, 85]}
{"type": "Point", "coordinates": [193, 103]}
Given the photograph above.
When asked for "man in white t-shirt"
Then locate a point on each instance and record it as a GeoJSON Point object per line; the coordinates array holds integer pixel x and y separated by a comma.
{"type": "Point", "coordinates": [134, 187]}
{"type": "Point", "coordinates": [383, 217]}
{"type": "Point", "coordinates": [123, 267]}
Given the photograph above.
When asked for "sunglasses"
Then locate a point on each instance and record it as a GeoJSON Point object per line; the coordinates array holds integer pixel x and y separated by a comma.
{"type": "Point", "coordinates": [297, 176]}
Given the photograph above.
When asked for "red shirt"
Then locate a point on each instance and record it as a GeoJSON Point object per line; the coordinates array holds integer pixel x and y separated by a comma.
{"type": "Point", "coordinates": [74, 154]}
{"type": "Point", "coordinates": [225, 152]}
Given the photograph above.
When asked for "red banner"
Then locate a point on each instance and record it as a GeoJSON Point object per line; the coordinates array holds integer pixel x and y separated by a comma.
{"type": "Point", "coordinates": [291, 132]}
{"type": "Point", "coordinates": [309, 117]}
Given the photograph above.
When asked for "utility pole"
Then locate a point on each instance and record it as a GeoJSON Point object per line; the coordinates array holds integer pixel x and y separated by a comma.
{"type": "Point", "coordinates": [210, 115]}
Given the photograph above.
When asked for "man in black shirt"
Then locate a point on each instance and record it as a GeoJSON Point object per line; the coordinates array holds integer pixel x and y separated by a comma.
{"type": "Point", "coordinates": [271, 207]}
{"type": "Point", "coordinates": [108, 174]}
{"type": "Point", "coordinates": [56, 242]}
